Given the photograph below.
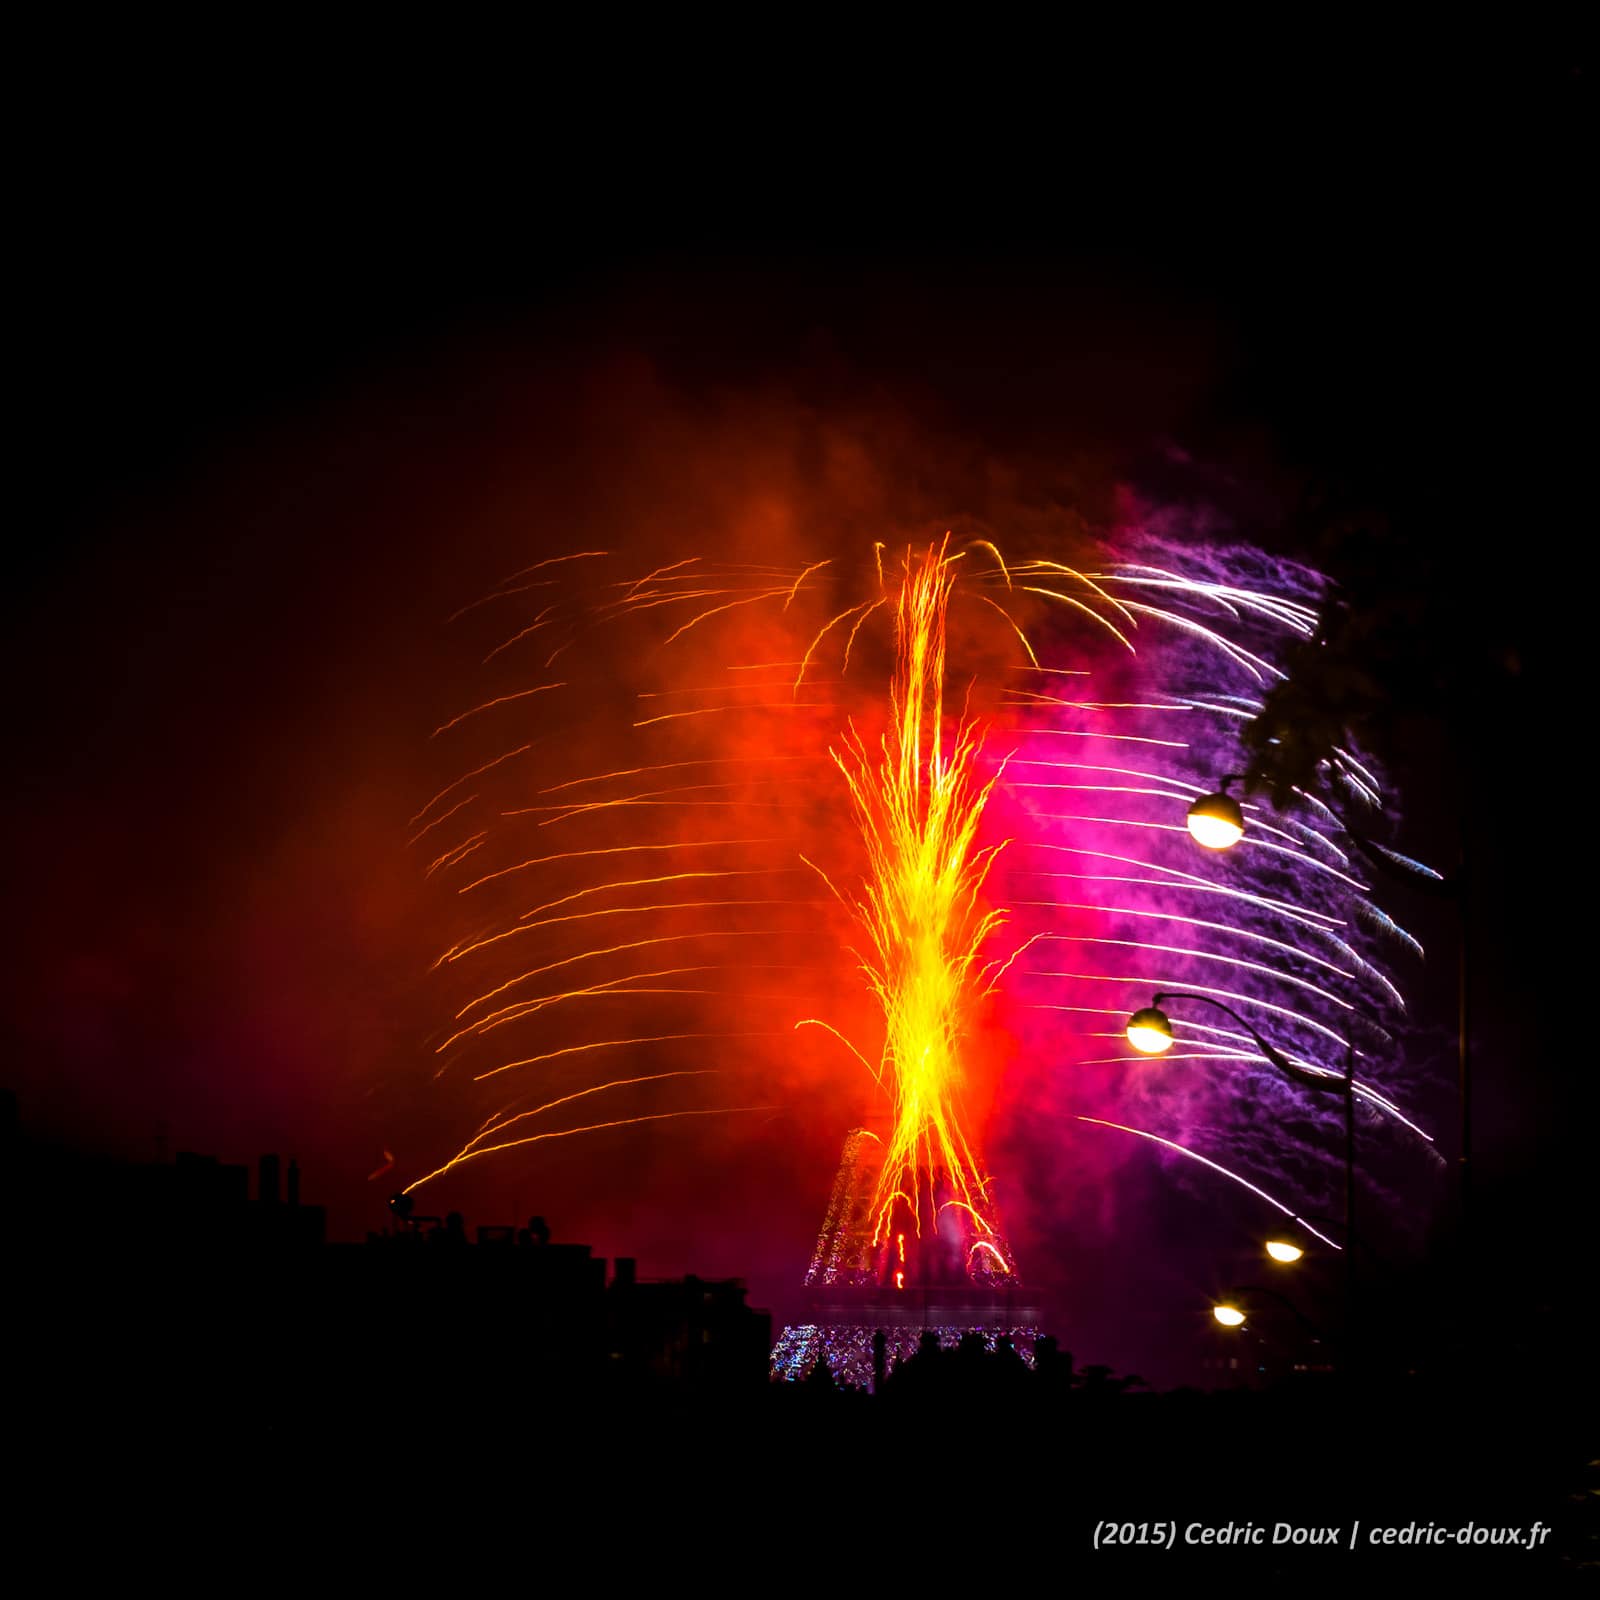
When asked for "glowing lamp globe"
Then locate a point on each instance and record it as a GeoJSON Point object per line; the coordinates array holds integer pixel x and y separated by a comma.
{"type": "Point", "coordinates": [1282, 1250]}
{"type": "Point", "coordinates": [1149, 1031]}
{"type": "Point", "coordinates": [1228, 1316]}
{"type": "Point", "coordinates": [1216, 821]}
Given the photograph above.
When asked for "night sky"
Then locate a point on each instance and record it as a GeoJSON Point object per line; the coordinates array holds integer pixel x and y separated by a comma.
{"type": "Point", "coordinates": [296, 378]}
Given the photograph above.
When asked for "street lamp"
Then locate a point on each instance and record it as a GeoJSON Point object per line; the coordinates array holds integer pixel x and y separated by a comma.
{"type": "Point", "coordinates": [1217, 823]}
{"type": "Point", "coordinates": [1228, 1310]}
{"type": "Point", "coordinates": [1288, 1252]}
{"type": "Point", "coordinates": [1215, 820]}
{"type": "Point", "coordinates": [1149, 1031]}
{"type": "Point", "coordinates": [1149, 1027]}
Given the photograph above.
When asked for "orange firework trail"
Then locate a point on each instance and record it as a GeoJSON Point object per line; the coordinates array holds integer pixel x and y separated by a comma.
{"type": "Point", "coordinates": [916, 792]}
{"type": "Point", "coordinates": [919, 801]}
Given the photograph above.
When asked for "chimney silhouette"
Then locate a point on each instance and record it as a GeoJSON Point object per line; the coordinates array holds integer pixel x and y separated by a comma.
{"type": "Point", "coordinates": [268, 1189]}
{"type": "Point", "coordinates": [294, 1182]}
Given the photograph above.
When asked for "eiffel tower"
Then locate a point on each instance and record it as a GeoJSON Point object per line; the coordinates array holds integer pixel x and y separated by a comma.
{"type": "Point", "coordinates": [942, 1281]}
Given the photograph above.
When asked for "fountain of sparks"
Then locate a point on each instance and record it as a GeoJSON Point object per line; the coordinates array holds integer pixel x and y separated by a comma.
{"type": "Point", "coordinates": [1026, 866]}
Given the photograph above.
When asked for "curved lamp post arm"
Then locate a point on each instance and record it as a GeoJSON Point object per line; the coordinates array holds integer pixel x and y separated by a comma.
{"type": "Point", "coordinates": [1276, 1056]}
{"type": "Point", "coordinates": [1311, 1080]}
{"type": "Point", "coordinates": [1283, 1300]}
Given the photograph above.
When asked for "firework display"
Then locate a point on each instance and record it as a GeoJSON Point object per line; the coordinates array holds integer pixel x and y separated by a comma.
{"type": "Point", "coordinates": [917, 829]}
{"type": "Point", "coordinates": [1122, 901]}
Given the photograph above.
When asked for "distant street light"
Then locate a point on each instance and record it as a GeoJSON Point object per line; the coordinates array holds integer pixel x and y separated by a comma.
{"type": "Point", "coordinates": [1215, 820]}
{"type": "Point", "coordinates": [1282, 1250]}
{"type": "Point", "coordinates": [1228, 1311]}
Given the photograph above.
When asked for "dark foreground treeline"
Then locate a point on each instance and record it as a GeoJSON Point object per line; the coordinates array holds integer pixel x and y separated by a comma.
{"type": "Point", "coordinates": [191, 1367]}
{"type": "Point", "coordinates": [239, 1392]}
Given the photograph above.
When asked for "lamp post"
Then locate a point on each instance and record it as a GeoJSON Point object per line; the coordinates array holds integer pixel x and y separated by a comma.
{"type": "Point", "coordinates": [1149, 1030]}
{"type": "Point", "coordinates": [1217, 822]}
{"type": "Point", "coordinates": [1287, 1253]}
{"type": "Point", "coordinates": [1227, 1312]}
{"type": "Point", "coordinates": [1456, 887]}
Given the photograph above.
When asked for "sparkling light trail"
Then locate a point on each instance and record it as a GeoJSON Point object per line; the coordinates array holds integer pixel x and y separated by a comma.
{"type": "Point", "coordinates": [927, 765]}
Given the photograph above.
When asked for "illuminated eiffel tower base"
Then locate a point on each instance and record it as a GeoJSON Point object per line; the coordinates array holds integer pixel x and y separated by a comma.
{"type": "Point", "coordinates": [902, 1287]}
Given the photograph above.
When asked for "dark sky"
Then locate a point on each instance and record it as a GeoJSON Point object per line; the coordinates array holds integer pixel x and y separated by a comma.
{"type": "Point", "coordinates": [298, 367]}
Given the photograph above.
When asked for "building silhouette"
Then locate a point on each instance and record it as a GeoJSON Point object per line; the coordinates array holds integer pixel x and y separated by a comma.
{"type": "Point", "coordinates": [174, 1298]}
